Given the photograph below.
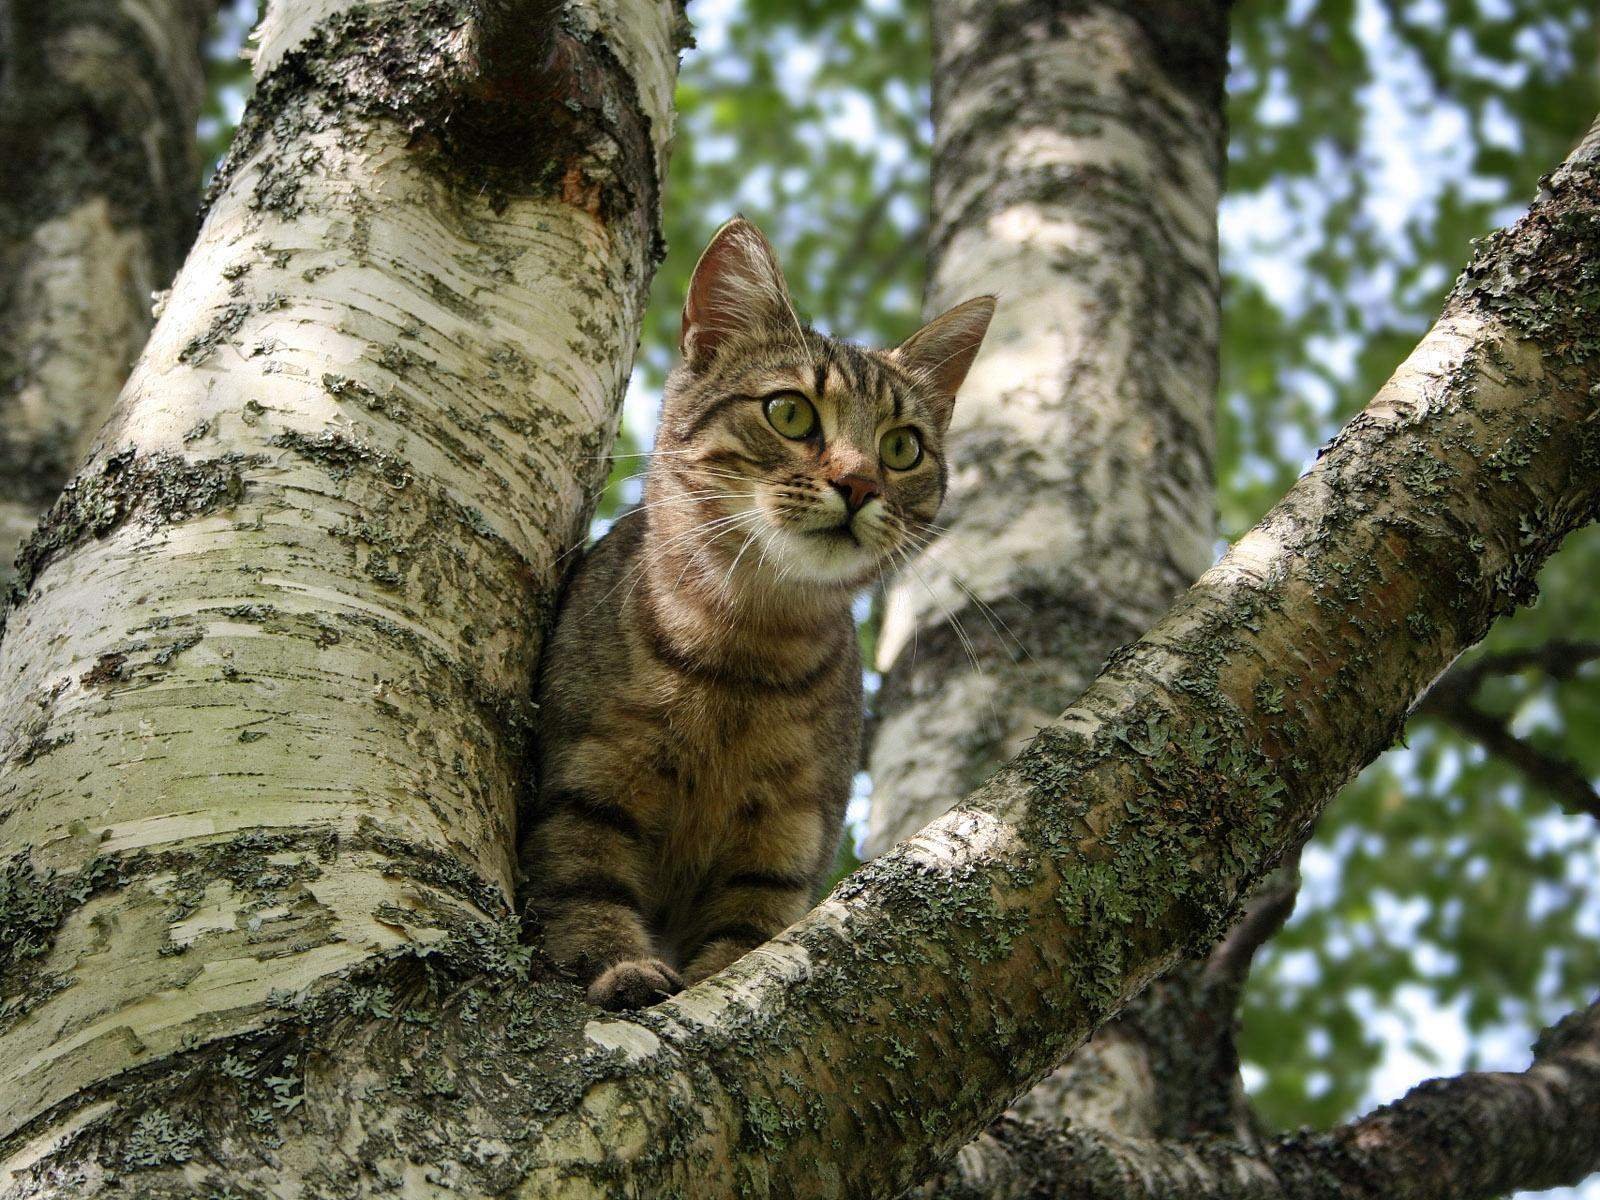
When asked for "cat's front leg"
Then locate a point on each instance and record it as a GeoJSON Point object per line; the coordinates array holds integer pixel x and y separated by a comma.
{"type": "Point", "coordinates": [764, 883]}
{"type": "Point", "coordinates": [766, 916]}
{"type": "Point", "coordinates": [588, 882]}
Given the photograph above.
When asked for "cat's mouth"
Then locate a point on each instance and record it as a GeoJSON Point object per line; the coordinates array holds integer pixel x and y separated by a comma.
{"type": "Point", "coordinates": [820, 544]}
{"type": "Point", "coordinates": [835, 554]}
{"type": "Point", "coordinates": [842, 534]}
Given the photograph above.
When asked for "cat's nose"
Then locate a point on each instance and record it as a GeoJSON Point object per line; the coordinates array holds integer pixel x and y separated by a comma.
{"type": "Point", "coordinates": [856, 490]}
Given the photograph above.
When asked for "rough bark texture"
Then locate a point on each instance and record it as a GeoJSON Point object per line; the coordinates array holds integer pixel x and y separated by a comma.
{"type": "Point", "coordinates": [97, 200]}
{"type": "Point", "coordinates": [1078, 162]}
{"type": "Point", "coordinates": [1481, 1134]}
{"type": "Point", "coordinates": [859, 1050]}
{"type": "Point", "coordinates": [264, 689]}
{"type": "Point", "coordinates": [1078, 159]}
{"type": "Point", "coordinates": [261, 702]}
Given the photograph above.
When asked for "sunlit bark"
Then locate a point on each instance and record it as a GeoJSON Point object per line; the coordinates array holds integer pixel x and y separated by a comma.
{"type": "Point", "coordinates": [264, 693]}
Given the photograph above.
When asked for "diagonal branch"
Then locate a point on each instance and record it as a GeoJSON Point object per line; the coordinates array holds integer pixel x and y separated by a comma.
{"type": "Point", "coordinates": [1228, 965]}
{"type": "Point", "coordinates": [1452, 700]}
{"type": "Point", "coordinates": [859, 1050]}
{"type": "Point", "coordinates": [1558, 658]}
{"type": "Point", "coordinates": [948, 975]}
{"type": "Point", "coordinates": [1526, 1130]}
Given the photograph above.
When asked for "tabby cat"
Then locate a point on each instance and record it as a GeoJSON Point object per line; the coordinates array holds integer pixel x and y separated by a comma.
{"type": "Point", "coordinates": [700, 698]}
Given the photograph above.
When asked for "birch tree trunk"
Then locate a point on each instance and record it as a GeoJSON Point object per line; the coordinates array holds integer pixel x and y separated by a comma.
{"type": "Point", "coordinates": [264, 692]}
{"type": "Point", "coordinates": [261, 702]}
{"type": "Point", "coordinates": [1078, 159]}
{"type": "Point", "coordinates": [1078, 155]}
{"type": "Point", "coordinates": [98, 104]}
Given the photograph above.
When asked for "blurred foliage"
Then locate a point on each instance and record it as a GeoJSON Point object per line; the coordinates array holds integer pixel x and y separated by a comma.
{"type": "Point", "coordinates": [1370, 142]}
{"type": "Point", "coordinates": [811, 119]}
{"type": "Point", "coordinates": [227, 79]}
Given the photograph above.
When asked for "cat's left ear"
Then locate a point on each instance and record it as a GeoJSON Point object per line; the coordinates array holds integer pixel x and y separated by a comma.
{"type": "Point", "coordinates": [940, 354]}
{"type": "Point", "coordinates": [737, 288]}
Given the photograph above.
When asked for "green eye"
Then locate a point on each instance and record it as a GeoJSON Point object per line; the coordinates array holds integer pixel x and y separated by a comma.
{"type": "Point", "coordinates": [900, 449]}
{"type": "Point", "coordinates": [791, 414]}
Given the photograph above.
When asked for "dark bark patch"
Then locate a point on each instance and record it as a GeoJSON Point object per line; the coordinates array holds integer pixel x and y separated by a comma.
{"type": "Point", "coordinates": [496, 104]}
{"type": "Point", "coordinates": [33, 902]}
{"type": "Point", "coordinates": [1190, 41]}
{"type": "Point", "coordinates": [157, 489]}
{"type": "Point", "coordinates": [224, 323]}
{"type": "Point", "coordinates": [106, 670]}
{"type": "Point", "coordinates": [341, 455]}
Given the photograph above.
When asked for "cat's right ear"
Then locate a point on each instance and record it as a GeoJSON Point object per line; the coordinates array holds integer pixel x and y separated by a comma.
{"type": "Point", "coordinates": [940, 353]}
{"type": "Point", "coordinates": [737, 287]}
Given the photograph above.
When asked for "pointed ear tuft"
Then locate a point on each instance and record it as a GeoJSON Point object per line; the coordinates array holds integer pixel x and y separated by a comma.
{"type": "Point", "coordinates": [940, 354]}
{"type": "Point", "coordinates": [737, 288]}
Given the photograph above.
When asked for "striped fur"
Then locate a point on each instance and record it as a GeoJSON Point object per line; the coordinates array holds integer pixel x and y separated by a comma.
{"type": "Point", "coordinates": [700, 698]}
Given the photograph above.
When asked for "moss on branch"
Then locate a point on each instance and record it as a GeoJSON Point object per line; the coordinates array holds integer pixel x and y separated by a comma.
{"type": "Point", "coordinates": [157, 489]}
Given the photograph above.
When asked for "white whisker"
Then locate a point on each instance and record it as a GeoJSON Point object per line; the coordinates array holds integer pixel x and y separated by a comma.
{"type": "Point", "coordinates": [636, 572]}
{"type": "Point", "coordinates": [966, 644]}
{"type": "Point", "coordinates": [995, 620]}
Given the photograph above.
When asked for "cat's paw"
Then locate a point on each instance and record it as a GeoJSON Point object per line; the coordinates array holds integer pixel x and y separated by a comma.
{"type": "Point", "coordinates": [636, 983]}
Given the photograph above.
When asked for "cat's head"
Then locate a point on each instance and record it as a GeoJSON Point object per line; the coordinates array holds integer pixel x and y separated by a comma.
{"type": "Point", "coordinates": [809, 459]}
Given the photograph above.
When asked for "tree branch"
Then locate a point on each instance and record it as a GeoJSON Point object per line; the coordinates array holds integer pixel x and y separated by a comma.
{"type": "Point", "coordinates": [863, 1047]}
{"type": "Point", "coordinates": [946, 976]}
{"type": "Point", "coordinates": [1559, 658]}
{"type": "Point", "coordinates": [1529, 1130]}
{"type": "Point", "coordinates": [1228, 965]}
{"type": "Point", "coordinates": [1452, 700]}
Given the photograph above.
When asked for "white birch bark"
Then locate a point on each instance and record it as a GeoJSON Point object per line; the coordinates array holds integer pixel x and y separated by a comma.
{"type": "Point", "coordinates": [869, 1043]}
{"type": "Point", "coordinates": [263, 697]}
{"type": "Point", "coordinates": [1076, 175]}
{"type": "Point", "coordinates": [341, 566]}
{"type": "Point", "coordinates": [1077, 167]}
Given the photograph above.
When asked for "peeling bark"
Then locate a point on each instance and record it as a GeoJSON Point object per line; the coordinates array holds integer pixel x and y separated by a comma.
{"type": "Point", "coordinates": [263, 691]}
{"type": "Point", "coordinates": [97, 114]}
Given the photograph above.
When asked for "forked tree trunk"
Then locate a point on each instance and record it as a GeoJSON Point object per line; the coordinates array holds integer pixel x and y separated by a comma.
{"type": "Point", "coordinates": [262, 701]}
{"type": "Point", "coordinates": [97, 198]}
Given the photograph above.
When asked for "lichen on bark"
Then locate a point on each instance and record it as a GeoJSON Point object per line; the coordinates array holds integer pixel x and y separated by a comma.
{"type": "Point", "coordinates": [156, 489]}
{"type": "Point", "coordinates": [395, 1034]}
{"type": "Point", "coordinates": [297, 593]}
